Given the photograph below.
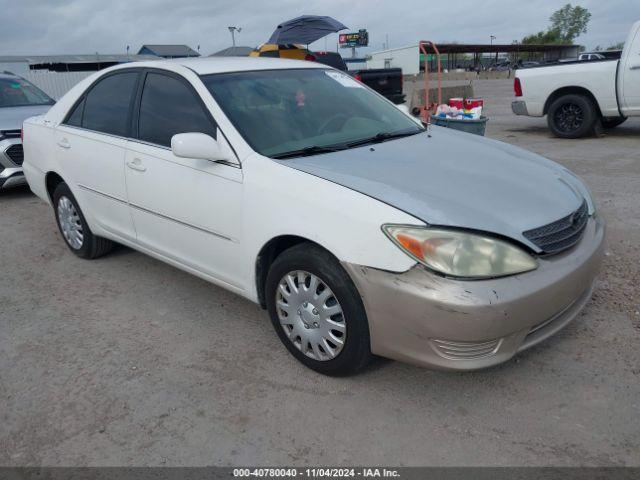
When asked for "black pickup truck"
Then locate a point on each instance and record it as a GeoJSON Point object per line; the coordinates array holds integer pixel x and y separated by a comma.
{"type": "Point", "coordinates": [386, 81]}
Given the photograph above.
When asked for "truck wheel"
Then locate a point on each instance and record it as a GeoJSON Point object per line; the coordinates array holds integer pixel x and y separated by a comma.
{"type": "Point", "coordinates": [74, 228]}
{"type": "Point", "coordinates": [612, 122]}
{"type": "Point", "coordinates": [572, 116]}
{"type": "Point", "coordinates": [317, 311]}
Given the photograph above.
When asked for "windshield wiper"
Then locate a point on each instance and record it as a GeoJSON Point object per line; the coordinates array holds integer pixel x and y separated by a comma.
{"type": "Point", "coordinates": [316, 149]}
{"type": "Point", "coordinates": [306, 151]}
{"type": "Point", "coordinates": [382, 137]}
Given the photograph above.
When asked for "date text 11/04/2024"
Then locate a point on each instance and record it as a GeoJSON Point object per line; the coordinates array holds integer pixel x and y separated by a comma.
{"type": "Point", "coordinates": [316, 472]}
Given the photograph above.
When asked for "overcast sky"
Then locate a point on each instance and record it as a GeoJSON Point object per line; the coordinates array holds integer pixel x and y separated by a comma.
{"type": "Point", "coordinates": [108, 26]}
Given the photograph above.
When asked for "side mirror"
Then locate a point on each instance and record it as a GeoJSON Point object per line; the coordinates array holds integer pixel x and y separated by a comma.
{"type": "Point", "coordinates": [197, 145]}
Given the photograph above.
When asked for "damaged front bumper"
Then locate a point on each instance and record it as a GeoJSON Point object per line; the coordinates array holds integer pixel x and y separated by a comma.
{"type": "Point", "coordinates": [429, 320]}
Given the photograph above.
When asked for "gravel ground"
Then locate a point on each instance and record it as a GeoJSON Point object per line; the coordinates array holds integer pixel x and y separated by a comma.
{"type": "Point", "coordinates": [127, 361]}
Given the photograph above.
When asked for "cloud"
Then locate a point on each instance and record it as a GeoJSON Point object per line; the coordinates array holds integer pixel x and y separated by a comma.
{"type": "Point", "coordinates": [88, 26]}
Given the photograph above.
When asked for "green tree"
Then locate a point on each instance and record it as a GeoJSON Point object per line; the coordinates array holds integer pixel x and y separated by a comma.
{"type": "Point", "coordinates": [567, 24]}
{"type": "Point", "coordinates": [616, 46]}
{"type": "Point", "coordinates": [570, 22]}
{"type": "Point", "coordinates": [543, 38]}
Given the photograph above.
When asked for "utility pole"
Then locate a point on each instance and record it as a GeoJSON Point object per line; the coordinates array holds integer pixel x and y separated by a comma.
{"type": "Point", "coordinates": [233, 31]}
{"type": "Point", "coordinates": [493, 37]}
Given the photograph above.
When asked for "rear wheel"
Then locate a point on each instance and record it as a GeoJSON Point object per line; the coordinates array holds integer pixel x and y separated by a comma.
{"type": "Point", "coordinates": [612, 122]}
{"type": "Point", "coordinates": [317, 311]}
{"type": "Point", "coordinates": [572, 116]}
{"type": "Point", "coordinates": [74, 228]}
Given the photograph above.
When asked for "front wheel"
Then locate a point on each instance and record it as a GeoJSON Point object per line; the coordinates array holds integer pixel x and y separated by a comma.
{"type": "Point", "coordinates": [317, 311]}
{"type": "Point", "coordinates": [572, 116]}
{"type": "Point", "coordinates": [74, 227]}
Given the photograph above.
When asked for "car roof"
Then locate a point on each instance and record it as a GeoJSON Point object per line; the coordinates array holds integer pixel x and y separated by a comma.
{"type": "Point", "coordinates": [8, 75]}
{"type": "Point", "coordinates": [209, 65]}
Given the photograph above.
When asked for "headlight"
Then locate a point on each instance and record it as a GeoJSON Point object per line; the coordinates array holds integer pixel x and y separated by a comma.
{"type": "Point", "coordinates": [460, 254]}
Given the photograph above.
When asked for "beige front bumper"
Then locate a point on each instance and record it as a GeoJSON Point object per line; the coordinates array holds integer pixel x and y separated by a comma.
{"type": "Point", "coordinates": [422, 318]}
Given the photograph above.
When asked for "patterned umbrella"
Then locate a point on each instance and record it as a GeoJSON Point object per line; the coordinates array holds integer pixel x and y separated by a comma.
{"type": "Point", "coordinates": [294, 52]}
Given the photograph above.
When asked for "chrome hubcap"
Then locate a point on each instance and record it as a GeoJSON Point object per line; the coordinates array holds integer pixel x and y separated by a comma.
{"type": "Point", "coordinates": [311, 315]}
{"type": "Point", "coordinates": [70, 224]}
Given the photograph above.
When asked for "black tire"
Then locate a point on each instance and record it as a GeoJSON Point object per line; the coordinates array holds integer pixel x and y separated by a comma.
{"type": "Point", "coordinates": [612, 122]}
{"type": "Point", "coordinates": [572, 116]}
{"type": "Point", "coordinates": [356, 351]}
{"type": "Point", "coordinates": [91, 245]}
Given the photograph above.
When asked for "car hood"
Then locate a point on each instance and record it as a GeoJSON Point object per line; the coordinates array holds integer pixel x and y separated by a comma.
{"type": "Point", "coordinates": [448, 178]}
{"type": "Point", "coordinates": [11, 118]}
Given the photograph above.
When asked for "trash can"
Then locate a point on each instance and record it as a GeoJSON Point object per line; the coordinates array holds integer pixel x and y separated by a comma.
{"type": "Point", "coordinates": [477, 127]}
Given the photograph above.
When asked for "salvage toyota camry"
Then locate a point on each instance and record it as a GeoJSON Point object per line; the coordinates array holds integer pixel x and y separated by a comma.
{"type": "Point", "coordinates": [297, 187]}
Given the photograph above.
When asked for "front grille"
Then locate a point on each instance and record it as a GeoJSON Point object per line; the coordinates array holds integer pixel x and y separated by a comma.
{"type": "Point", "coordinates": [561, 234]}
{"type": "Point", "coordinates": [465, 350]}
{"type": "Point", "coordinates": [15, 153]}
{"type": "Point", "coordinates": [9, 133]}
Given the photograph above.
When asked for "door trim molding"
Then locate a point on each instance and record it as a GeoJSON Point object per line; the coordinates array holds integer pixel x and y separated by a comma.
{"type": "Point", "coordinates": [157, 214]}
{"type": "Point", "coordinates": [180, 222]}
{"type": "Point", "coordinates": [102, 194]}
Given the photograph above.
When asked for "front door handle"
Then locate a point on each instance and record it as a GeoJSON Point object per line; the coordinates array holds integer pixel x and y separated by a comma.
{"type": "Point", "coordinates": [64, 143]}
{"type": "Point", "coordinates": [136, 164]}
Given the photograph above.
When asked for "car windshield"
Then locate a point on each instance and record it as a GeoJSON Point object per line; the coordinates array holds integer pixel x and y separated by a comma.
{"type": "Point", "coordinates": [17, 92]}
{"type": "Point", "coordinates": [284, 113]}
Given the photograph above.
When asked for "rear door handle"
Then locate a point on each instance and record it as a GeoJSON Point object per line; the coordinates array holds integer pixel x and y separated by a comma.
{"type": "Point", "coordinates": [136, 164]}
{"type": "Point", "coordinates": [64, 143]}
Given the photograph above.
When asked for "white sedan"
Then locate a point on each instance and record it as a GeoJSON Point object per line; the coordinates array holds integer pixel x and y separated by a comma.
{"type": "Point", "coordinates": [297, 187]}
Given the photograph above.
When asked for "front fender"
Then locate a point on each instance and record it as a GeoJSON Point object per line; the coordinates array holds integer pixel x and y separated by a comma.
{"type": "Point", "coordinates": [284, 201]}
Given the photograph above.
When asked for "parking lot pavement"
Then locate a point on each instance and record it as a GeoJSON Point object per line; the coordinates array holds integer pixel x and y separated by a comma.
{"type": "Point", "coordinates": [127, 361]}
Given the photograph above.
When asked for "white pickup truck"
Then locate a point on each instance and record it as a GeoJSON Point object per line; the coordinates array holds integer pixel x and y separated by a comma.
{"type": "Point", "coordinates": [580, 98]}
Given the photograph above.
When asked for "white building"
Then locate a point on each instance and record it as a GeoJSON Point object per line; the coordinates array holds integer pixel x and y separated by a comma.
{"type": "Point", "coordinates": [407, 58]}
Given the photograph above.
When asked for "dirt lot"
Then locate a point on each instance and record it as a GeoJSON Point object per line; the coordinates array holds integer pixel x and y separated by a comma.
{"type": "Point", "coordinates": [127, 361]}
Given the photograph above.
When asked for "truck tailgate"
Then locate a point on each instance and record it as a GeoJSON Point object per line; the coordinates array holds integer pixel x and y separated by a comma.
{"type": "Point", "coordinates": [386, 81]}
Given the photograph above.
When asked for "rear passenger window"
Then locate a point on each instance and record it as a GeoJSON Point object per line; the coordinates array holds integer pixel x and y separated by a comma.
{"type": "Point", "coordinates": [75, 119]}
{"type": "Point", "coordinates": [168, 106]}
{"type": "Point", "coordinates": [107, 104]}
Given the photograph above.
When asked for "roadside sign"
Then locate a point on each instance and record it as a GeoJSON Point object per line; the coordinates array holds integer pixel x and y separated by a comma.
{"type": "Point", "coordinates": [355, 39]}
